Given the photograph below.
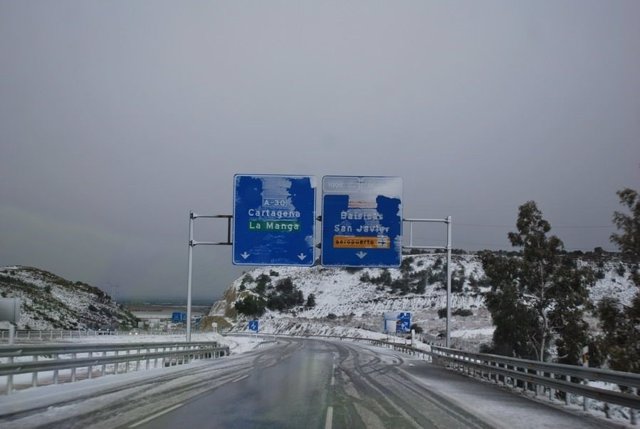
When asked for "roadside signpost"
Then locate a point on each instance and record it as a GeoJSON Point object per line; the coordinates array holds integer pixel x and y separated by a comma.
{"type": "Point", "coordinates": [10, 310]}
{"type": "Point", "coordinates": [362, 221]}
{"type": "Point", "coordinates": [274, 220]}
{"type": "Point", "coordinates": [389, 320]}
{"type": "Point", "coordinates": [403, 323]}
{"type": "Point", "coordinates": [254, 325]}
{"type": "Point", "coordinates": [9, 315]}
{"type": "Point", "coordinates": [178, 317]}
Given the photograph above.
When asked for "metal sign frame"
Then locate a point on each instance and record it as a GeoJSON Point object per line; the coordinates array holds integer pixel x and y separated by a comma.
{"type": "Point", "coordinates": [447, 221]}
{"type": "Point", "coordinates": [192, 243]}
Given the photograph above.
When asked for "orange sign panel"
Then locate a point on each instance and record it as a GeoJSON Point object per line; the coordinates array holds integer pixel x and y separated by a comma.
{"type": "Point", "coordinates": [361, 242]}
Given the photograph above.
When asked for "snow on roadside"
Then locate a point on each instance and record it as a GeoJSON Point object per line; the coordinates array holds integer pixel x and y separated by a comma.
{"type": "Point", "coordinates": [473, 333]}
{"type": "Point", "coordinates": [349, 298]}
{"type": "Point", "coordinates": [237, 345]}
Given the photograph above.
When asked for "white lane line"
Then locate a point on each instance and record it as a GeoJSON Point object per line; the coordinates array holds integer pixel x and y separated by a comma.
{"type": "Point", "coordinates": [333, 375]}
{"type": "Point", "coordinates": [329, 421]}
{"type": "Point", "coordinates": [239, 378]}
{"type": "Point", "coordinates": [156, 415]}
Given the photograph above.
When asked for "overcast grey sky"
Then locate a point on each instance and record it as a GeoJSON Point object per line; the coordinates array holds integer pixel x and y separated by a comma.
{"type": "Point", "coordinates": [118, 117]}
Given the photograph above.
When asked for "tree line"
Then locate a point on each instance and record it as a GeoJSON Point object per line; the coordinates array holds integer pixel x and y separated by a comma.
{"type": "Point", "coordinates": [282, 296]}
{"type": "Point", "coordinates": [539, 298]}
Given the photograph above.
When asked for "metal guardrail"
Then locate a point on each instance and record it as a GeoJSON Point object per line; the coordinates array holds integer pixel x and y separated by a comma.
{"type": "Point", "coordinates": [50, 334]}
{"type": "Point", "coordinates": [538, 377]}
{"type": "Point", "coordinates": [30, 335]}
{"type": "Point", "coordinates": [113, 358]}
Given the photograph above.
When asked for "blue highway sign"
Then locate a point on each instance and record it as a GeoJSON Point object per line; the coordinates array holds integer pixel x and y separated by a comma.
{"type": "Point", "coordinates": [254, 325]}
{"type": "Point", "coordinates": [178, 317]}
{"type": "Point", "coordinates": [362, 221]}
{"type": "Point", "coordinates": [403, 323]}
{"type": "Point", "coordinates": [274, 220]}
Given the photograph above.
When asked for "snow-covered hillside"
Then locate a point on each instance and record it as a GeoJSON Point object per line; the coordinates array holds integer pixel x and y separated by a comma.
{"type": "Point", "coordinates": [51, 302]}
{"type": "Point", "coordinates": [358, 298]}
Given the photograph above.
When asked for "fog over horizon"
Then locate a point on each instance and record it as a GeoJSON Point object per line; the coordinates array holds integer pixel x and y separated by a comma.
{"type": "Point", "coordinates": [118, 118]}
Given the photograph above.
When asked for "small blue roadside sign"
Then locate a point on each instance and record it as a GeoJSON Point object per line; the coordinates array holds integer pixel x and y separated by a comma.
{"type": "Point", "coordinates": [254, 325]}
{"type": "Point", "coordinates": [274, 220]}
{"type": "Point", "coordinates": [362, 221]}
{"type": "Point", "coordinates": [178, 317]}
{"type": "Point", "coordinates": [403, 324]}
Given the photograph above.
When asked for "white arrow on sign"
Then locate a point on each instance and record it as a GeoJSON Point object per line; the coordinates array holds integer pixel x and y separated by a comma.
{"type": "Point", "coordinates": [361, 254]}
{"type": "Point", "coordinates": [301, 256]}
{"type": "Point", "coordinates": [245, 255]}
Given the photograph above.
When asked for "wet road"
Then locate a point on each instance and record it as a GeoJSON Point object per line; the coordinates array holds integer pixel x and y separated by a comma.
{"type": "Point", "coordinates": [289, 392]}
{"type": "Point", "coordinates": [319, 384]}
{"type": "Point", "coordinates": [297, 383]}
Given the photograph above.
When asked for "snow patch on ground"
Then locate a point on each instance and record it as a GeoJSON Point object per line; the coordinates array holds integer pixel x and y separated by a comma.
{"type": "Point", "coordinates": [344, 300]}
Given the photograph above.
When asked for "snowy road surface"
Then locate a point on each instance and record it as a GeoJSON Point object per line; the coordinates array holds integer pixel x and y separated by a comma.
{"type": "Point", "coordinates": [296, 383]}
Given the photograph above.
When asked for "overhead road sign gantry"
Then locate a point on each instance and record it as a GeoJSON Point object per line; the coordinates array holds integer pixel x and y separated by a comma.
{"type": "Point", "coordinates": [362, 221]}
{"type": "Point", "coordinates": [274, 220]}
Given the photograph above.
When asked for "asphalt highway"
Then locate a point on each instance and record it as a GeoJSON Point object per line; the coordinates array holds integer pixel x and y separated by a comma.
{"type": "Point", "coordinates": [322, 384]}
{"type": "Point", "coordinates": [294, 383]}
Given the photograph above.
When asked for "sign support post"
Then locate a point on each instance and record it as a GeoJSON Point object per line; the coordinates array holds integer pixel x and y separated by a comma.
{"type": "Point", "coordinates": [449, 223]}
{"type": "Point", "coordinates": [448, 339]}
{"type": "Point", "coordinates": [192, 244]}
{"type": "Point", "coordinates": [254, 325]}
{"type": "Point", "coordinates": [191, 218]}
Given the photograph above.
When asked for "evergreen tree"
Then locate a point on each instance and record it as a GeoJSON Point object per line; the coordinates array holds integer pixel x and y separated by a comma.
{"type": "Point", "coordinates": [251, 305]}
{"type": "Point", "coordinates": [311, 301]}
{"type": "Point", "coordinates": [417, 329]}
{"type": "Point", "coordinates": [629, 240]}
{"type": "Point", "coordinates": [620, 324]}
{"type": "Point", "coordinates": [514, 321]}
{"type": "Point", "coordinates": [538, 296]}
{"type": "Point", "coordinates": [285, 296]}
{"type": "Point", "coordinates": [263, 282]}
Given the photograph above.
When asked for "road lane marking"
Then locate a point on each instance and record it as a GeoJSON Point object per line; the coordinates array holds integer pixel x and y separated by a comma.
{"type": "Point", "coordinates": [155, 416]}
{"type": "Point", "coordinates": [329, 421]}
{"type": "Point", "coordinates": [240, 378]}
